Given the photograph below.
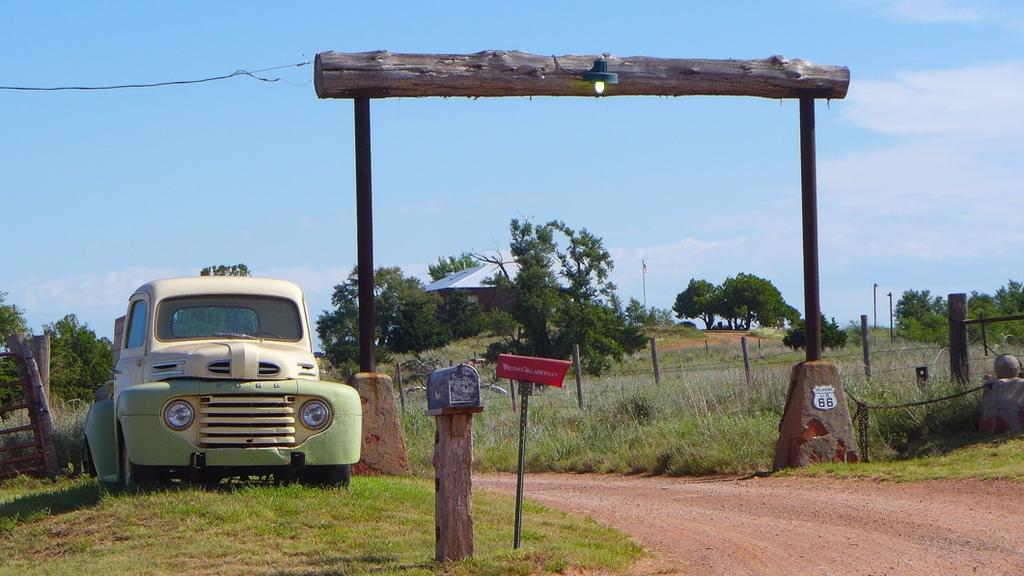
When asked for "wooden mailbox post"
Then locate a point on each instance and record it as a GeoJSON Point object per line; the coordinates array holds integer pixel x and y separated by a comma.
{"type": "Point", "coordinates": [453, 396]}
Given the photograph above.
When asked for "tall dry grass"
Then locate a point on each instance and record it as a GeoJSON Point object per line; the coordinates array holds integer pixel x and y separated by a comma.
{"type": "Point", "coordinates": [703, 418]}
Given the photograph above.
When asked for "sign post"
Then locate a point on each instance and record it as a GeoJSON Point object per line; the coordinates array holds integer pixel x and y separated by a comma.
{"type": "Point", "coordinates": [525, 391]}
{"type": "Point", "coordinates": [528, 371]}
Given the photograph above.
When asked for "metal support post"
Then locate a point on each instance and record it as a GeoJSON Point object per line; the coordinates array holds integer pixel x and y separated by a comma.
{"type": "Point", "coordinates": [809, 204]}
{"type": "Point", "coordinates": [364, 235]}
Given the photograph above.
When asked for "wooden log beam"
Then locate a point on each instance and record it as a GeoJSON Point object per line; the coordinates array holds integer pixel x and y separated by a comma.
{"type": "Point", "coordinates": [493, 73]}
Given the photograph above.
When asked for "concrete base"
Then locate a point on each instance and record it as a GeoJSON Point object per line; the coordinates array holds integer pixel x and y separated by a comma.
{"type": "Point", "coordinates": [816, 425]}
{"type": "Point", "coordinates": [383, 440]}
{"type": "Point", "coordinates": [1002, 406]}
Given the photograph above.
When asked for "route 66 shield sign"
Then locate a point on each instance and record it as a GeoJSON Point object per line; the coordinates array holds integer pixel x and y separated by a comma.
{"type": "Point", "coordinates": [824, 397]}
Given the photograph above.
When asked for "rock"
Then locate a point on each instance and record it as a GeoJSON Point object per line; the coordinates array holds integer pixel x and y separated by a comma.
{"type": "Point", "coordinates": [1002, 404]}
{"type": "Point", "coordinates": [1006, 366]}
{"type": "Point", "coordinates": [816, 425]}
{"type": "Point", "coordinates": [383, 450]}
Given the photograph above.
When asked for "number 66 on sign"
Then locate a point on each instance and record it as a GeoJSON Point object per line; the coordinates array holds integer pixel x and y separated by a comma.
{"type": "Point", "coordinates": [824, 397]}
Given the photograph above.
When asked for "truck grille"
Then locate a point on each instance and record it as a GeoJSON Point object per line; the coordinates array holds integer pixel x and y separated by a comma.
{"type": "Point", "coordinates": [246, 421]}
{"type": "Point", "coordinates": [223, 367]}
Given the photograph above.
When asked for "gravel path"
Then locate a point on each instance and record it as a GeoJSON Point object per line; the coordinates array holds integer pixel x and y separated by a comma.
{"type": "Point", "coordinates": [784, 526]}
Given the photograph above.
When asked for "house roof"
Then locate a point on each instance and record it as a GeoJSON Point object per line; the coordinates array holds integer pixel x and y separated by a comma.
{"type": "Point", "coordinates": [469, 277]}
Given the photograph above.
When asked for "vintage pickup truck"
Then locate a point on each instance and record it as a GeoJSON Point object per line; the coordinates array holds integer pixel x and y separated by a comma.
{"type": "Point", "coordinates": [215, 378]}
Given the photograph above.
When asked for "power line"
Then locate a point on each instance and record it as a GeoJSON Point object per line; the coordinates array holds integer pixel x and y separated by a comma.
{"type": "Point", "coordinates": [247, 73]}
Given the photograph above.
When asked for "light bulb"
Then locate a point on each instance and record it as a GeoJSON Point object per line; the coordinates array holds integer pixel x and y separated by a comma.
{"type": "Point", "coordinates": [599, 87]}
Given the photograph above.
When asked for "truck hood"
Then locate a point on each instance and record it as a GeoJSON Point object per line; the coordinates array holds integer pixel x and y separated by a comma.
{"type": "Point", "coordinates": [231, 359]}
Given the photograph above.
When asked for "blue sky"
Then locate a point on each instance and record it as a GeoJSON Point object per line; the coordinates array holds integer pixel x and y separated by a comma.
{"type": "Point", "coordinates": [919, 167]}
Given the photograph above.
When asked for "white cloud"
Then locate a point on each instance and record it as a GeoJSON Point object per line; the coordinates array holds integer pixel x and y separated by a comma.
{"type": "Point", "coordinates": [924, 200]}
{"type": "Point", "coordinates": [309, 278]}
{"type": "Point", "coordinates": [670, 266]}
{"type": "Point", "coordinates": [87, 290]}
{"type": "Point", "coordinates": [673, 260]}
{"type": "Point", "coordinates": [948, 184]}
{"type": "Point", "coordinates": [933, 11]}
{"type": "Point", "coordinates": [978, 102]}
{"type": "Point", "coordinates": [917, 177]}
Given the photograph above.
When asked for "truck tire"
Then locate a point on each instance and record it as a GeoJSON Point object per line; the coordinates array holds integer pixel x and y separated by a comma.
{"type": "Point", "coordinates": [88, 466]}
{"type": "Point", "coordinates": [133, 476]}
{"type": "Point", "coordinates": [330, 475]}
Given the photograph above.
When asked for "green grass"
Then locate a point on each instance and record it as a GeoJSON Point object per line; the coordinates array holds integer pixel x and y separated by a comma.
{"type": "Point", "coordinates": [378, 526]}
{"type": "Point", "coordinates": [703, 418]}
{"type": "Point", "coordinates": [989, 459]}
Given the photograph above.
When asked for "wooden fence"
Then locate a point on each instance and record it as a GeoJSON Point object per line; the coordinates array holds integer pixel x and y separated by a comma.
{"type": "Point", "coordinates": [32, 450]}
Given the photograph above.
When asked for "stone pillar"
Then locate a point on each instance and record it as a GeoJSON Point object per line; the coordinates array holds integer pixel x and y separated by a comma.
{"type": "Point", "coordinates": [383, 449]}
{"type": "Point", "coordinates": [1002, 401]}
{"type": "Point", "coordinates": [816, 425]}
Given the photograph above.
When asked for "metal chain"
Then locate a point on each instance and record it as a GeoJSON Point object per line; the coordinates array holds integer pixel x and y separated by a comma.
{"type": "Point", "coordinates": [861, 418]}
{"type": "Point", "coordinates": [863, 413]}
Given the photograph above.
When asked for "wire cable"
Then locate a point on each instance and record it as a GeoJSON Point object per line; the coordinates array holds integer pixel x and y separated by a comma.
{"type": "Point", "coordinates": [250, 74]}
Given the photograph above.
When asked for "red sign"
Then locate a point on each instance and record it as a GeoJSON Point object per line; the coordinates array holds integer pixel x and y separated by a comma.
{"type": "Point", "coordinates": [544, 371]}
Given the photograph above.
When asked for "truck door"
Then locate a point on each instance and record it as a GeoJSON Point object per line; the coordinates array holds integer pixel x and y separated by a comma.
{"type": "Point", "coordinates": [129, 370]}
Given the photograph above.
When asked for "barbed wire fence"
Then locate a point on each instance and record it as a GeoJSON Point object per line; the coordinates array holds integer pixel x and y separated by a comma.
{"type": "Point", "coordinates": [900, 374]}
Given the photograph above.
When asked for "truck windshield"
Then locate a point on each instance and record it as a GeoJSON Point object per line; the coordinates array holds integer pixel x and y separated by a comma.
{"type": "Point", "coordinates": [228, 316]}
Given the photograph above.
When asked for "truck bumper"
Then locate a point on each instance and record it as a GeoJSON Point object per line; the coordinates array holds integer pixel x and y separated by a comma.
{"type": "Point", "coordinates": [149, 442]}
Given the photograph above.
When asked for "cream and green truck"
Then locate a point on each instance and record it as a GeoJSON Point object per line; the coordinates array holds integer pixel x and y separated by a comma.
{"type": "Point", "coordinates": [215, 378]}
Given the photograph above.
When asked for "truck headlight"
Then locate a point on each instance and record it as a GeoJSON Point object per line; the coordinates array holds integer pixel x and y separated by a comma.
{"type": "Point", "coordinates": [315, 414]}
{"type": "Point", "coordinates": [178, 415]}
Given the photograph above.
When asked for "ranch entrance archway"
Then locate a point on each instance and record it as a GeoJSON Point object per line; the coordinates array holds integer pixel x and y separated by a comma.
{"type": "Point", "coordinates": [367, 75]}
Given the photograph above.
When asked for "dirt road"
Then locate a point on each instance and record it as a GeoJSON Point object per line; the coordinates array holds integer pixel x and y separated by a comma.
{"type": "Point", "coordinates": [791, 526]}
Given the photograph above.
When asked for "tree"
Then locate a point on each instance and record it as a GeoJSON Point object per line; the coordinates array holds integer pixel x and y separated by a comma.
{"type": "Point", "coordinates": [585, 264]}
{"type": "Point", "coordinates": [222, 270]}
{"type": "Point", "coordinates": [746, 299]}
{"type": "Point", "coordinates": [406, 318]}
{"type": "Point", "coordinates": [1010, 298]}
{"type": "Point", "coordinates": [463, 317]}
{"type": "Point", "coordinates": [79, 361]}
{"type": "Point", "coordinates": [450, 265]}
{"type": "Point", "coordinates": [12, 321]}
{"type": "Point", "coordinates": [552, 318]}
{"type": "Point", "coordinates": [832, 336]}
{"type": "Point", "coordinates": [534, 292]}
{"type": "Point", "coordinates": [922, 317]}
{"type": "Point", "coordinates": [701, 300]}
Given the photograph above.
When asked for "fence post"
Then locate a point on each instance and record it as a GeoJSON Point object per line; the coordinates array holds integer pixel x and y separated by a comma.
{"type": "Point", "coordinates": [579, 373]}
{"type": "Point", "coordinates": [865, 344]}
{"type": "Point", "coordinates": [984, 338]}
{"type": "Point", "coordinates": [38, 402]}
{"type": "Point", "coordinates": [706, 349]}
{"type": "Point", "coordinates": [746, 360]}
{"type": "Point", "coordinates": [654, 361]}
{"type": "Point", "coordinates": [41, 352]}
{"type": "Point", "coordinates": [401, 388]}
{"type": "Point", "coordinates": [959, 354]}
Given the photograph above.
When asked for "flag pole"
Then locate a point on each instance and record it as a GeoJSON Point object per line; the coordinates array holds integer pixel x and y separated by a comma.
{"type": "Point", "coordinates": [644, 262]}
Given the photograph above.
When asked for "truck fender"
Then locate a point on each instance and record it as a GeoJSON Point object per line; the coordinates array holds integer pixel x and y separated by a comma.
{"type": "Point", "coordinates": [101, 434]}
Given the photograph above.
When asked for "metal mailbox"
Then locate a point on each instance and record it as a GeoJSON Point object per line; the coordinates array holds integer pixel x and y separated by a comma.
{"type": "Point", "coordinates": [454, 387]}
